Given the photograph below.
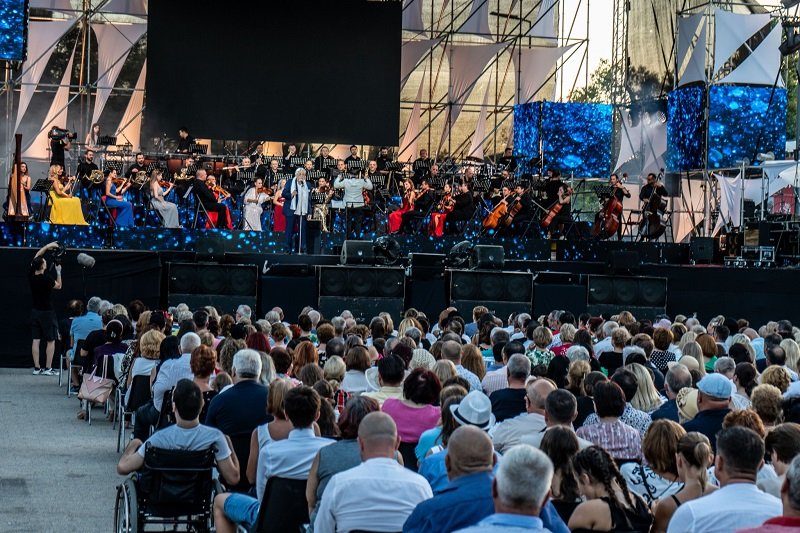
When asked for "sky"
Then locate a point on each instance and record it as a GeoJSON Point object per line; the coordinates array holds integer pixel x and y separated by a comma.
{"type": "Point", "coordinates": [600, 33]}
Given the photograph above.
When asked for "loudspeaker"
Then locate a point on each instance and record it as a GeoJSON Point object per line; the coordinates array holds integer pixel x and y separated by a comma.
{"type": "Point", "coordinates": [704, 249]}
{"type": "Point", "coordinates": [502, 292]}
{"type": "Point", "coordinates": [624, 262]}
{"type": "Point", "coordinates": [487, 257]}
{"type": "Point", "coordinates": [757, 234]}
{"type": "Point", "coordinates": [362, 288]}
{"type": "Point", "coordinates": [223, 286]}
{"type": "Point", "coordinates": [357, 253]}
{"type": "Point", "coordinates": [612, 294]}
{"type": "Point", "coordinates": [547, 296]}
{"type": "Point", "coordinates": [363, 309]}
{"type": "Point", "coordinates": [426, 266]}
{"type": "Point", "coordinates": [672, 182]}
{"type": "Point", "coordinates": [209, 246]}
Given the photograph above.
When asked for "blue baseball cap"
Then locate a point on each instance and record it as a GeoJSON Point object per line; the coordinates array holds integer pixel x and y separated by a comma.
{"type": "Point", "coordinates": [716, 386]}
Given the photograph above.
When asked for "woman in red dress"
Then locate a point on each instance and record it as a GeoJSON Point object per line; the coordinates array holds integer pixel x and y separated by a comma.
{"type": "Point", "coordinates": [446, 204]}
{"type": "Point", "coordinates": [279, 220]}
{"type": "Point", "coordinates": [396, 216]}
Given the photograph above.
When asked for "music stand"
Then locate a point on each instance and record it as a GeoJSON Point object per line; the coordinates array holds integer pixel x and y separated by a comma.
{"type": "Point", "coordinates": [106, 140]}
{"type": "Point", "coordinates": [482, 185]}
{"type": "Point", "coordinates": [42, 186]}
{"type": "Point", "coordinates": [329, 162]}
{"type": "Point", "coordinates": [437, 182]}
{"type": "Point", "coordinates": [198, 148]}
{"type": "Point", "coordinates": [245, 175]}
{"type": "Point", "coordinates": [109, 164]}
{"type": "Point", "coordinates": [603, 191]}
{"type": "Point", "coordinates": [297, 161]}
{"type": "Point", "coordinates": [355, 164]}
{"type": "Point", "coordinates": [315, 174]}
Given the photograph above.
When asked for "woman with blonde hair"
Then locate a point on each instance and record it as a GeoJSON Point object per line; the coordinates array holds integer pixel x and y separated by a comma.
{"type": "Point", "coordinates": [66, 208]}
{"type": "Point", "coordinates": [575, 376]}
{"type": "Point", "coordinates": [472, 360]}
{"type": "Point", "coordinates": [444, 370]}
{"type": "Point", "coordinates": [646, 398]}
{"type": "Point", "coordinates": [687, 337]}
{"type": "Point", "coordinates": [146, 364]}
{"type": "Point", "coordinates": [692, 349]}
{"type": "Point", "coordinates": [407, 323]}
{"type": "Point", "coordinates": [333, 372]}
{"type": "Point", "coordinates": [777, 376]}
{"type": "Point", "coordinates": [692, 460]}
{"type": "Point", "coordinates": [792, 351]}
{"type": "Point", "coordinates": [744, 340]}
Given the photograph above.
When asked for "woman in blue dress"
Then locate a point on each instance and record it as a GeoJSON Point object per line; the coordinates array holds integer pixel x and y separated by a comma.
{"type": "Point", "coordinates": [115, 199]}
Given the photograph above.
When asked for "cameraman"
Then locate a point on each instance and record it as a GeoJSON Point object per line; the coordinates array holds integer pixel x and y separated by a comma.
{"type": "Point", "coordinates": [59, 143]}
{"type": "Point", "coordinates": [43, 318]}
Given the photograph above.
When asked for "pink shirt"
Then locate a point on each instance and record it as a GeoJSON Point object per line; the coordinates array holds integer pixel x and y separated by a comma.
{"type": "Point", "coordinates": [411, 421]}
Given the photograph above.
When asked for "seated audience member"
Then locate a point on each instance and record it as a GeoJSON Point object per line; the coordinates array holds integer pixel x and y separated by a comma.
{"type": "Point", "coordinates": [203, 363]}
{"type": "Point", "coordinates": [586, 402]}
{"type": "Point", "coordinates": [657, 476]}
{"type": "Point", "coordinates": [691, 462]}
{"type": "Point", "coordinates": [508, 433]}
{"type": "Point", "coordinates": [276, 429]}
{"type": "Point", "coordinates": [451, 350]}
{"type": "Point", "coordinates": [738, 503]}
{"type": "Point", "coordinates": [416, 411]}
{"type": "Point", "coordinates": [240, 409]}
{"type": "Point", "coordinates": [510, 401]}
{"type": "Point", "coordinates": [608, 505]}
{"type": "Point", "coordinates": [561, 446]}
{"type": "Point", "coordinates": [767, 401]}
{"type": "Point", "coordinates": [169, 374]}
{"type": "Point", "coordinates": [783, 445]}
{"type": "Point", "coordinates": [713, 399]}
{"type": "Point", "coordinates": [789, 521]}
{"type": "Point", "coordinates": [391, 372]}
{"type": "Point", "coordinates": [431, 441]}
{"type": "Point", "coordinates": [612, 360]}
{"type": "Point", "coordinates": [288, 458]}
{"type": "Point", "coordinates": [560, 410]}
{"type": "Point", "coordinates": [393, 491]}
{"type": "Point", "coordinates": [357, 361]}
{"type": "Point", "coordinates": [677, 377]}
{"type": "Point", "coordinates": [777, 376]}
{"type": "Point", "coordinates": [519, 490]}
{"type": "Point", "coordinates": [619, 439]}
{"type": "Point", "coordinates": [339, 456]}
{"type": "Point", "coordinates": [497, 379]}
{"type": "Point", "coordinates": [631, 416]}
{"type": "Point", "coordinates": [187, 434]}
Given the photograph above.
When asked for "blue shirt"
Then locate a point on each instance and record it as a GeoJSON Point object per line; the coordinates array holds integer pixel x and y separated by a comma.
{"type": "Point", "coordinates": [507, 523]}
{"type": "Point", "coordinates": [429, 438]}
{"type": "Point", "coordinates": [474, 382]}
{"type": "Point", "coordinates": [467, 500]}
{"type": "Point", "coordinates": [239, 409]}
{"type": "Point", "coordinates": [667, 411]}
{"type": "Point", "coordinates": [708, 423]}
{"type": "Point", "coordinates": [758, 346]}
{"type": "Point", "coordinates": [83, 325]}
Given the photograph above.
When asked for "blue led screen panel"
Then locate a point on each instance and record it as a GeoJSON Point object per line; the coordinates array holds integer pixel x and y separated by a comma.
{"type": "Point", "coordinates": [13, 30]}
{"type": "Point", "coordinates": [743, 122]}
{"type": "Point", "coordinates": [685, 131]}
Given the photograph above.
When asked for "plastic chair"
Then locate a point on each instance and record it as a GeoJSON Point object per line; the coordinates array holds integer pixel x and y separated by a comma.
{"type": "Point", "coordinates": [284, 508]}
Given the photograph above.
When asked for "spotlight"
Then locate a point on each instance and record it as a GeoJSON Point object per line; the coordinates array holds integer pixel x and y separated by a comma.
{"type": "Point", "coordinates": [387, 250]}
{"type": "Point", "coordinates": [769, 156]}
{"type": "Point", "coordinates": [459, 255]}
{"type": "Point", "coordinates": [792, 42]}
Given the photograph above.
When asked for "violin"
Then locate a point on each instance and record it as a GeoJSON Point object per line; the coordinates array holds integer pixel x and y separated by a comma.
{"type": "Point", "coordinates": [446, 204]}
{"type": "Point", "coordinates": [264, 190]}
{"type": "Point", "coordinates": [119, 181]}
{"type": "Point", "coordinates": [164, 184]}
{"type": "Point", "coordinates": [222, 192]}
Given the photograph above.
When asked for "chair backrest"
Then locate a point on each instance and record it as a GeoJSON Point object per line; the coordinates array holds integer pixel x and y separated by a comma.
{"type": "Point", "coordinates": [408, 451]}
{"type": "Point", "coordinates": [241, 445]}
{"type": "Point", "coordinates": [139, 392]}
{"type": "Point", "coordinates": [284, 508]}
{"type": "Point", "coordinates": [176, 482]}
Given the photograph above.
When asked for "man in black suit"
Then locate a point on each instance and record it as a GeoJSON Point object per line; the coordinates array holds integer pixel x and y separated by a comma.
{"type": "Point", "coordinates": [463, 209]}
{"type": "Point", "coordinates": [206, 197]}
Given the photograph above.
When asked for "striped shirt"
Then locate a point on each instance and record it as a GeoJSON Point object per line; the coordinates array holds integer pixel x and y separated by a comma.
{"type": "Point", "coordinates": [617, 438]}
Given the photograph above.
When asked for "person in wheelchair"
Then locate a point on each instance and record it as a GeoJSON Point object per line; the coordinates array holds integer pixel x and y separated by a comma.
{"type": "Point", "coordinates": [187, 434]}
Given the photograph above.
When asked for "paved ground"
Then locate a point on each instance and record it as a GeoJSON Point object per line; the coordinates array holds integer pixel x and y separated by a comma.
{"type": "Point", "coordinates": [57, 473]}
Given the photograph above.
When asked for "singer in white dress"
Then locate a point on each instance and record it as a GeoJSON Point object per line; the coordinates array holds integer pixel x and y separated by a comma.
{"type": "Point", "coordinates": [254, 198]}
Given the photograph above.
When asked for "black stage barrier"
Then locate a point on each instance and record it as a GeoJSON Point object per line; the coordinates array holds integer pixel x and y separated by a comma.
{"type": "Point", "coordinates": [117, 276]}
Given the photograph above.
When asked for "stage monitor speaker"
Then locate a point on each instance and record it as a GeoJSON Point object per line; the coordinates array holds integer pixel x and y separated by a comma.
{"type": "Point", "coordinates": [209, 246]}
{"type": "Point", "coordinates": [704, 249]}
{"type": "Point", "coordinates": [363, 309]}
{"type": "Point", "coordinates": [613, 294]}
{"type": "Point", "coordinates": [487, 257]}
{"type": "Point", "coordinates": [223, 286]}
{"type": "Point", "coordinates": [357, 253]}
{"type": "Point", "coordinates": [506, 292]}
{"type": "Point", "coordinates": [426, 266]}
{"type": "Point", "coordinates": [363, 288]}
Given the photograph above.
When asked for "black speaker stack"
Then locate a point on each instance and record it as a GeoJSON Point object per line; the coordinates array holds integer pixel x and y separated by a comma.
{"type": "Point", "coordinates": [364, 291]}
{"type": "Point", "coordinates": [223, 286]}
{"type": "Point", "coordinates": [502, 292]}
{"type": "Point", "coordinates": [645, 297]}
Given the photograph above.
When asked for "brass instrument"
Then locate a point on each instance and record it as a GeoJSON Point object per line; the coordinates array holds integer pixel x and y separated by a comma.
{"type": "Point", "coordinates": [139, 178]}
{"type": "Point", "coordinates": [182, 175]}
{"type": "Point", "coordinates": [320, 211]}
{"type": "Point", "coordinates": [97, 177]}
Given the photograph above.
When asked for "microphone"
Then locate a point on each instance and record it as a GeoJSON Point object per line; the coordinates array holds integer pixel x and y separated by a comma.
{"type": "Point", "coordinates": [85, 260]}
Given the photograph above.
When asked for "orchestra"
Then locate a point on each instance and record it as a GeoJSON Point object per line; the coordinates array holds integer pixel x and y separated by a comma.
{"type": "Point", "coordinates": [354, 196]}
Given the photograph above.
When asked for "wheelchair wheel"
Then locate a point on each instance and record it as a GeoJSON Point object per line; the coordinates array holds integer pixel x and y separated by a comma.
{"type": "Point", "coordinates": [216, 489]}
{"type": "Point", "coordinates": [126, 508]}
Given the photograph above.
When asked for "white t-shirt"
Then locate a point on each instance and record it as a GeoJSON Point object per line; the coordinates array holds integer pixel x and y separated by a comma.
{"type": "Point", "coordinates": [731, 508]}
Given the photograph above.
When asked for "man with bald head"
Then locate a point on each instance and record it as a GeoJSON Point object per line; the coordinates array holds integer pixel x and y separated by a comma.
{"type": "Point", "coordinates": [377, 495]}
{"type": "Point", "coordinates": [509, 432]}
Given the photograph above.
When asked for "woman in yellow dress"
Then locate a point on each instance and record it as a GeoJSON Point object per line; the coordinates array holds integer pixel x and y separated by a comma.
{"type": "Point", "coordinates": [66, 208]}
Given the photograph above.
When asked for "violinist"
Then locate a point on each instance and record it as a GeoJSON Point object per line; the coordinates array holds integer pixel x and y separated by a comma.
{"type": "Point", "coordinates": [116, 188]}
{"type": "Point", "coordinates": [254, 198]}
{"type": "Point", "coordinates": [463, 208]}
{"type": "Point", "coordinates": [166, 210]}
{"type": "Point", "coordinates": [442, 210]}
{"type": "Point", "coordinates": [422, 205]}
{"type": "Point", "coordinates": [219, 215]}
{"type": "Point", "coordinates": [219, 192]}
{"type": "Point", "coordinates": [407, 204]}
{"type": "Point", "coordinates": [66, 209]}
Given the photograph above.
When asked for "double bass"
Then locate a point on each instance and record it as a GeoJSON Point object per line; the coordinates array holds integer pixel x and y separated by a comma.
{"type": "Point", "coordinates": [608, 219]}
{"type": "Point", "coordinates": [652, 226]}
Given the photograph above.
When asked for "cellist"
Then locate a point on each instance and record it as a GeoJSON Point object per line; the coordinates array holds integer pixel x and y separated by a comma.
{"type": "Point", "coordinates": [557, 193]}
{"type": "Point", "coordinates": [620, 193]}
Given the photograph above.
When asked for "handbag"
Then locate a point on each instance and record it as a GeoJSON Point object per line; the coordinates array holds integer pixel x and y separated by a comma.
{"type": "Point", "coordinates": [96, 389]}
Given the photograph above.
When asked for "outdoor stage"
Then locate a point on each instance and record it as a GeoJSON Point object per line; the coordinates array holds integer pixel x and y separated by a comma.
{"type": "Point", "coordinates": [164, 267]}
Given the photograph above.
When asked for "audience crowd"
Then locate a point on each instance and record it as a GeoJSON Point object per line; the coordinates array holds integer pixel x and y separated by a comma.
{"type": "Point", "coordinates": [560, 423]}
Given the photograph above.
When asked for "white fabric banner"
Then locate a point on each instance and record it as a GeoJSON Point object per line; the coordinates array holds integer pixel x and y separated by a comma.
{"type": "Point", "coordinates": [533, 67]}
{"type": "Point", "coordinates": [686, 216]}
{"type": "Point", "coordinates": [763, 65]}
{"type": "Point", "coordinates": [478, 20]}
{"type": "Point", "coordinates": [130, 127]}
{"type": "Point", "coordinates": [731, 32]}
{"type": "Point", "coordinates": [466, 66]}
{"type": "Point", "coordinates": [114, 42]}
{"type": "Point", "coordinates": [730, 202]}
{"type": "Point", "coordinates": [412, 16]}
{"type": "Point", "coordinates": [42, 37]}
{"type": "Point", "coordinates": [630, 138]}
{"type": "Point", "coordinates": [56, 116]}
{"type": "Point", "coordinates": [545, 25]}
{"type": "Point", "coordinates": [408, 146]}
{"type": "Point", "coordinates": [127, 7]}
{"type": "Point", "coordinates": [476, 149]}
{"type": "Point", "coordinates": [410, 55]}
{"type": "Point", "coordinates": [692, 49]}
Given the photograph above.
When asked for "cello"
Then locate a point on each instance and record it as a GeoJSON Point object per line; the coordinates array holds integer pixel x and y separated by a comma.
{"type": "Point", "coordinates": [608, 219]}
{"type": "Point", "coordinates": [516, 207]}
{"type": "Point", "coordinates": [500, 211]}
{"type": "Point", "coordinates": [563, 198]}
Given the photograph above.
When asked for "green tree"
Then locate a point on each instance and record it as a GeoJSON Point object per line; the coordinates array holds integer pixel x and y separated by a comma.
{"type": "Point", "coordinates": [599, 88]}
{"type": "Point", "coordinates": [791, 87]}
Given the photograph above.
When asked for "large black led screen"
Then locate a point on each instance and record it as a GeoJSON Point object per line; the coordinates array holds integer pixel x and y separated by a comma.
{"type": "Point", "coordinates": [288, 70]}
{"type": "Point", "coordinates": [13, 29]}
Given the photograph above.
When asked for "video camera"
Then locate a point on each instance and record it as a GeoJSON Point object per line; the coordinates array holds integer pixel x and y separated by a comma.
{"type": "Point", "coordinates": [59, 134]}
{"type": "Point", "coordinates": [58, 254]}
